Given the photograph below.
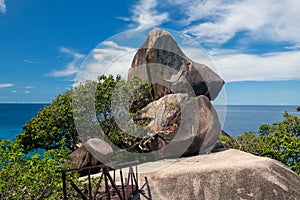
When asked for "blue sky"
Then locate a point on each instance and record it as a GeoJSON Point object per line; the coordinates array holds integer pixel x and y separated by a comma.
{"type": "Point", "coordinates": [255, 45]}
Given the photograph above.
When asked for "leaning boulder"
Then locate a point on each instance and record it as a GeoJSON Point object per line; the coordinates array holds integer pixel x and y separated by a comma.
{"type": "Point", "coordinates": [81, 158]}
{"type": "Point", "coordinates": [160, 48]}
{"type": "Point", "coordinates": [100, 149]}
{"type": "Point", "coordinates": [93, 152]}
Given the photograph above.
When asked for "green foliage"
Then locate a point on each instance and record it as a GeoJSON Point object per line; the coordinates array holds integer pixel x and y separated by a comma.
{"type": "Point", "coordinates": [99, 98]}
{"type": "Point", "coordinates": [31, 176]}
{"type": "Point", "coordinates": [116, 97]}
{"type": "Point", "coordinates": [52, 124]}
{"type": "Point", "coordinates": [56, 121]}
{"type": "Point", "coordinates": [280, 141]}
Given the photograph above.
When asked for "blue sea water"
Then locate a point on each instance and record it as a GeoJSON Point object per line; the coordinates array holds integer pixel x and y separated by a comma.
{"type": "Point", "coordinates": [239, 118]}
{"type": "Point", "coordinates": [245, 118]}
{"type": "Point", "coordinates": [14, 116]}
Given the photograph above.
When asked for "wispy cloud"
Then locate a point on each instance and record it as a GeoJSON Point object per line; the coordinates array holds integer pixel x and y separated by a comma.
{"type": "Point", "coordinates": [6, 85]}
{"type": "Point", "coordinates": [72, 67]}
{"type": "Point", "coordinates": [108, 58]}
{"type": "Point", "coordinates": [30, 61]}
{"type": "Point", "coordinates": [267, 67]}
{"type": "Point", "coordinates": [28, 87]}
{"type": "Point", "coordinates": [27, 92]}
{"type": "Point", "coordinates": [267, 20]}
{"type": "Point", "coordinates": [2, 6]}
{"type": "Point", "coordinates": [145, 14]}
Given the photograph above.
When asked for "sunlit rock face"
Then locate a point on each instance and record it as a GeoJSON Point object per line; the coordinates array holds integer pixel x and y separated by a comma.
{"type": "Point", "coordinates": [230, 174]}
{"type": "Point", "coordinates": [181, 115]}
{"type": "Point", "coordinates": [161, 48]}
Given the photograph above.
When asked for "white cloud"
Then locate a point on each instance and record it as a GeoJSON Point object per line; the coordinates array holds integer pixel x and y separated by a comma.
{"type": "Point", "coordinates": [6, 85]}
{"type": "Point", "coordinates": [14, 91]}
{"type": "Point", "coordinates": [2, 6]}
{"type": "Point", "coordinates": [30, 61]}
{"type": "Point", "coordinates": [146, 15]}
{"type": "Point", "coordinates": [249, 67]}
{"type": "Point", "coordinates": [72, 67]}
{"type": "Point", "coordinates": [108, 58]}
{"type": "Point", "coordinates": [28, 87]}
{"type": "Point", "coordinates": [27, 92]}
{"type": "Point", "coordinates": [235, 66]}
{"type": "Point", "coordinates": [268, 20]}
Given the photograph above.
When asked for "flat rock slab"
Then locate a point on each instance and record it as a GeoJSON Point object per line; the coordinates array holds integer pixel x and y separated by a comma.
{"type": "Point", "coordinates": [229, 174]}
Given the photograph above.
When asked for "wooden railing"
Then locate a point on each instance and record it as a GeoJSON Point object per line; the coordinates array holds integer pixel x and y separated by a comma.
{"type": "Point", "coordinates": [123, 189]}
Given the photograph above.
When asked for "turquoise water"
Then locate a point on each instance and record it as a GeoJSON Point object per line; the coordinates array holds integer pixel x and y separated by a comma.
{"type": "Point", "coordinates": [239, 118]}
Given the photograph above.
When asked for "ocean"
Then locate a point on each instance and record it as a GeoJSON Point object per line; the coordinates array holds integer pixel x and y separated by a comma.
{"type": "Point", "coordinates": [239, 118]}
{"type": "Point", "coordinates": [13, 116]}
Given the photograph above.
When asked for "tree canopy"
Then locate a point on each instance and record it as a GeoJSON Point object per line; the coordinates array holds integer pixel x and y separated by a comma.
{"type": "Point", "coordinates": [56, 121]}
{"type": "Point", "coordinates": [52, 124]}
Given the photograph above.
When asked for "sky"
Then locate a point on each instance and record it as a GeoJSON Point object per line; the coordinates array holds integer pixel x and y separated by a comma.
{"type": "Point", "coordinates": [254, 44]}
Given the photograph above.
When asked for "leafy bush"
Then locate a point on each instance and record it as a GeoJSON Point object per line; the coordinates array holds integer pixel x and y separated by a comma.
{"type": "Point", "coordinates": [31, 176]}
{"type": "Point", "coordinates": [280, 141]}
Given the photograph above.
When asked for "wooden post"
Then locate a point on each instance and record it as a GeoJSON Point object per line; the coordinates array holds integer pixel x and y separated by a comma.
{"type": "Point", "coordinates": [64, 185]}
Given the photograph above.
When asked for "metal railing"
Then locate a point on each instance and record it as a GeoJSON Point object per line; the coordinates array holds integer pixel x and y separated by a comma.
{"type": "Point", "coordinates": [125, 189]}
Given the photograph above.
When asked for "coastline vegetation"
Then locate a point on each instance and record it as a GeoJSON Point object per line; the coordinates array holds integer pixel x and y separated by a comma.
{"type": "Point", "coordinates": [26, 175]}
{"type": "Point", "coordinates": [279, 141]}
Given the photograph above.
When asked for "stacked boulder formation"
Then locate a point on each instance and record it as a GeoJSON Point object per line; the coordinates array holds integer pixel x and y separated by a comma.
{"type": "Point", "coordinates": [181, 115]}
{"type": "Point", "coordinates": [182, 120]}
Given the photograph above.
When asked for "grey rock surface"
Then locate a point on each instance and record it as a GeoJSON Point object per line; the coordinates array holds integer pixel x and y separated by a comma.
{"type": "Point", "coordinates": [99, 149]}
{"type": "Point", "coordinates": [81, 158]}
{"type": "Point", "coordinates": [229, 174]}
{"type": "Point", "coordinates": [161, 48]}
{"type": "Point", "coordinates": [198, 122]}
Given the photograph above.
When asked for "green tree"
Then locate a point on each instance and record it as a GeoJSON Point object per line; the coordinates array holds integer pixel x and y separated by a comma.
{"type": "Point", "coordinates": [56, 121]}
{"type": "Point", "coordinates": [281, 141]}
{"type": "Point", "coordinates": [112, 97]}
{"type": "Point", "coordinates": [52, 124]}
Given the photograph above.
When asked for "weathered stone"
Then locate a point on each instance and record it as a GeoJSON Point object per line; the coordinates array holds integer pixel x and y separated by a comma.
{"type": "Point", "coordinates": [100, 150]}
{"type": "Point", "coordinates": [163, 110]}
{"type": "Point", "coordinates": [229, 174]}
{"type": "Point", "coordinates": [81, 158]}
{"type": "Point", "coordinates": [198, 122]}
{"type": "Point", "coordinates": [209, 127]}
{"type": "Point", "coordinates": [160, 48]}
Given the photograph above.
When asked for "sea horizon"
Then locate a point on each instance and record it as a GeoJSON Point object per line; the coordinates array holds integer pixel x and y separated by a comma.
{"type": "Point", "coordinates": [235, 119]}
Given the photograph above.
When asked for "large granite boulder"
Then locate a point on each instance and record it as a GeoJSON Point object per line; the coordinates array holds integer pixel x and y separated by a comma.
{"type": "Point", "coordinates": [229, 174]}
{"type": "Point", "coordinates": [197, 125]}
{"type": "Point", "coordinates": [160, 48]}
